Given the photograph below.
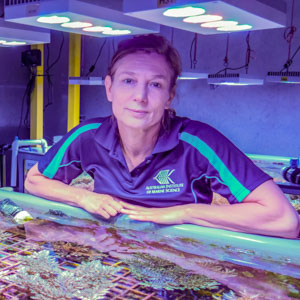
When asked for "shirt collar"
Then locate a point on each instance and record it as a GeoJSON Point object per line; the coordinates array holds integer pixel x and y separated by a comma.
{"type": "Point", "coordinates": [107, 135]}
{"type": "Point", "coordinates": [168, 139]}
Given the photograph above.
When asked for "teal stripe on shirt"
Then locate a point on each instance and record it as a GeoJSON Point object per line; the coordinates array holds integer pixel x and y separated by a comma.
{"type": "Point", "coordinates": [54, 165]}
{"type": "Point", "coordinates": [236, 188]}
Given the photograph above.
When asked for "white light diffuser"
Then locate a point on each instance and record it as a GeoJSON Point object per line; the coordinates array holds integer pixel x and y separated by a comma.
{"type": "Point", "coordinates": [235, 28]}
{"type": "Point", "coordinates": [202, 19]}
{"type": "Point", "coordinates": [53, 20]}
{"type": "Point", "coordinates": [76, 11]}
{"type": "Point", "coordinates": [217, 24]}
{"type": "Point", "coordinates": [192, 75]}
{"type": "Point", "coordinates": [187, 11]}
{"type": "Point", "coordinates": [257, 14]}
{"type": "Point", "coordinates": [76, 24]}
{"type": "Point", "coordinates": [234, 79]}
{"type": "Point", "coordinates": [284, 77]}
{"type": "Point", "coordinates": [19, 35]}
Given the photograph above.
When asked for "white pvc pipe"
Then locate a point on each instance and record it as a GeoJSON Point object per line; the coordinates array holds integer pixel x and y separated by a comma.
{"type": "Point", "coordinates": [14, 155]}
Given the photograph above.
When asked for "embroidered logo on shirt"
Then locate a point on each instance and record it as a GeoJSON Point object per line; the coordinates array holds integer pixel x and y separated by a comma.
{"type": "Point", "coordinates": [166, 184]}
{"type": "Point", "coordinates": [163, 177]}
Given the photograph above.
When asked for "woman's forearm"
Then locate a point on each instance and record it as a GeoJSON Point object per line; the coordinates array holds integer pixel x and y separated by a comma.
{"type": "Point", "coordinates": [102, 204]}
{"type": "Point", "coordinates": [55, 190]}
{"type": "Point", "coordinates": [243, 217]}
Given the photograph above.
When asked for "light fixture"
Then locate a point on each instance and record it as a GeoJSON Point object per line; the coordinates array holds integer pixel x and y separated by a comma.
{"type": "Point", "coordinates": [217, 24]}
{"type": "Point", "coordinates": [96, 29]}
{"type": "Point", "coordinates": [202, 19]}
{"type": "Point", "coordinates": [283, 77]}
{"type": "Point", "coordinates": [76, 24]}
{"type": "Point", "coordinates": [19, 35]}
{"type": "Point", "coordinates": [223, 77]}
{"type": "Point", "coordinates": [187, 11]}
{"type": "Point", "coordinates": [234, 79]}
{"type": "Point", "coordinates": [76, 16]}
{"type": "Point", "coordinates": [116, 32]}
{"type": "Point", "coordinates": [256, 14]}
{"type": "Point", "coordinates": [53, 20]}
{"type": "Point", "coordinates": [190, 75]}
{"type": "Point", "coordinates": [13, 43]}
{"type": "Point", "coordinates": [235, 28]}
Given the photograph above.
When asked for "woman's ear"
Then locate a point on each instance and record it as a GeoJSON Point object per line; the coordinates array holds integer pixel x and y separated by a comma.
{"type": "Point", "coordinates": [108, 84]}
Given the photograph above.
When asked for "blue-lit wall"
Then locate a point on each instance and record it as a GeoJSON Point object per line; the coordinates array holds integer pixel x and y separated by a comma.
{"type": "Point", "coordinates": [261, 120]}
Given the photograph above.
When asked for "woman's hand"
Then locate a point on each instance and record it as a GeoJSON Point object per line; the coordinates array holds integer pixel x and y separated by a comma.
{"type": "Point", "coordinates": [102, 204]}
{"type": "Point", "coordinates": [165, 215]}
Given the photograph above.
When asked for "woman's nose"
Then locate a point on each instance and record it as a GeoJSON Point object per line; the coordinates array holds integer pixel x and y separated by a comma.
{"type": "Point", "coordinates": [141, 93]}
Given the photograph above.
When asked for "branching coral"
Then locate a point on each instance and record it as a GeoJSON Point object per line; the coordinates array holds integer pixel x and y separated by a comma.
{"type": "Point", "coordinates": [41, 276]}
{"type": "Point", "coordinates": [162, 274]}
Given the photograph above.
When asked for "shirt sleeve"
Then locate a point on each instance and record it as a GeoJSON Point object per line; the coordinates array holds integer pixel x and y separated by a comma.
{"type": "Point", "coordinates": [62, 161]}
{"type": "Point", "coordinates": [230, 172]}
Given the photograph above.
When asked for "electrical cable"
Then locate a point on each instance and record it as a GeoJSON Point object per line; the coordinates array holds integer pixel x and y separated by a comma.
{"type": "Point", "coordinates": [195, 51]}
{"type": "Point", "coordinates": [59, 54]}
{"type": "Point", "coordinates": [191, 50]}
{"type": "Point", "coordinates": [26, 96]}
{"type": "Point", "coordinates": [288, 36]}
{"type": "Point", "coordinates": [47, 71]}
{"type": "Point", "coordinates": [92, 68]}
{"type": "Point", "coordinates": [172, 36]}
{"type": "Point", "coordinates": [113, 44]}
{"type": "Point", "coordinates": [31, 87]}
{"type": "Point", "coordinates": [248, 52]}
{"type": "Point", "coordinates": [226, 60]}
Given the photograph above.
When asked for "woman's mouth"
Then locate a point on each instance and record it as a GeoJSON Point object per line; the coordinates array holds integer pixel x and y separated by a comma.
{"type": "Point", "coordinates": [137, 112]}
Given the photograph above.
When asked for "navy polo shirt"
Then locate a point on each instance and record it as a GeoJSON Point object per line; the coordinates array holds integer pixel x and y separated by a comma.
{"type": "Point", "coordinates": [189, 162]}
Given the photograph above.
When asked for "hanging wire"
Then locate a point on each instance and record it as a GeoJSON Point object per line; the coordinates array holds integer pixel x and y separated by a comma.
{"type": "Point", "coordinates": [226, 60]}
{"type": "Point", "coordinates": [48, 68]}
{"type": "Point", "coordinates": [193, 54]}
{"type": "Point", "coordinates": [92, 67]}
{"type": "Point", "coordinates": [288, 36]}
{"type": "Point", "coordinates": [172, 36]}
{"type": "Point", "coordinates": [113, 45]}
{"type": "Point", "coordinates": [26, 99]}
{"type": "Point", "coordinates": [249, 51]}
{"type": "Point", "coordinates": [195, 51]}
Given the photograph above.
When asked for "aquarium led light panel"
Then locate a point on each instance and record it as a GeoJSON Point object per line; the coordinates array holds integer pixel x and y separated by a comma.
{"type": "Point", "coordinates": [77, 17]}
{"type": "Point", "coordinates": [210, 16]}
{"type": "Point", "coordinates": [20, 35]}
{"type": "Point", "coordinates": [284, 77]}
{"type": "Point", "coordinates": [234, 79]}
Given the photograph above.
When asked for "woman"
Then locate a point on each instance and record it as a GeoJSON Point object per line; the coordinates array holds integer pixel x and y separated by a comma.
{"type": "Point", "coordinates": [154, 166]}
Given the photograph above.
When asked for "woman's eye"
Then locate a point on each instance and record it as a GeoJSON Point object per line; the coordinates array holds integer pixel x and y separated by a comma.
{"type": "Point", "coordinates": [156, 84]}
{"type": "Point", "coordinates": [128, 80]}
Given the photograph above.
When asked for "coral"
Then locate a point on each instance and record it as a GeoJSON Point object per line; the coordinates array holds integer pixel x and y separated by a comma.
{"type": "Point", "coordinates": [75, 252]}
{"type": "Point", "coordinates": [41, 276]}
{"type": "Point", "coordinates": [162, 274]}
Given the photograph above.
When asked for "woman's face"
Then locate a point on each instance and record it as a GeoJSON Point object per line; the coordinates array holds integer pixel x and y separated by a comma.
{"type": "Point", "coordinates": [140, 90]}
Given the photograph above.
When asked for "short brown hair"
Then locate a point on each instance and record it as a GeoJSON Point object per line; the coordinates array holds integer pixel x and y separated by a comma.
{"type": "Point", "coordinates": [149, 43]}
